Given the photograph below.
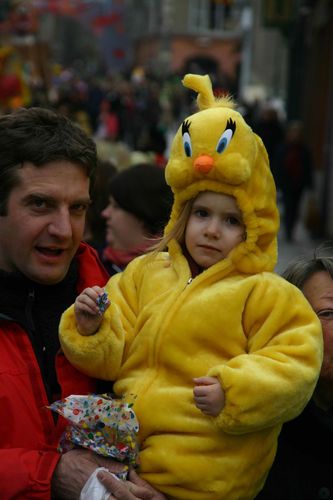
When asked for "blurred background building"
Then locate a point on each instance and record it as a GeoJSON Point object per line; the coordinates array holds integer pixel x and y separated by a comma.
{"type": "Point", "coordinates": [267, 53]}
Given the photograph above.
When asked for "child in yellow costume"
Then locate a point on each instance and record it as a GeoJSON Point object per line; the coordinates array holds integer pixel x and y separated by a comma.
{"type": "Point", "coordinates": [218, 349]}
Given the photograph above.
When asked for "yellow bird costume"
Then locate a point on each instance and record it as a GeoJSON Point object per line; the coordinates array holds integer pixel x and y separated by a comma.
{"type": "Point", "coordinates": [237, 321]}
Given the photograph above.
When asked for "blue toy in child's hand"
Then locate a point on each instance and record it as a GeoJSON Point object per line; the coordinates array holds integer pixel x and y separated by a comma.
{"type": "Point", "coordinates": [102, 302]}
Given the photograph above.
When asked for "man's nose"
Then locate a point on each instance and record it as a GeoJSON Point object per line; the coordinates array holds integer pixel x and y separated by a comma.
{"type": "Point", "coordinates": [61, 225]}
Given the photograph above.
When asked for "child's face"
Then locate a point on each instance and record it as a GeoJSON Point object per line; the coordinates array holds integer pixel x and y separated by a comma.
{"type": "Point", "coordinates": [214, 228]}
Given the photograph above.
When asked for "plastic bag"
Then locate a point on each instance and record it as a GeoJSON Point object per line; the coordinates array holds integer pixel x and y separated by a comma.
{"type": "Point", "coordinates": [93, 489]}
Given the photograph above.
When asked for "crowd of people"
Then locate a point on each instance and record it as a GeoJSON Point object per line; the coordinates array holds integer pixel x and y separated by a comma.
{"type": "Point", "coordinates": [221, 352]}
{"type": "Point", "coordinates": [136, 112]}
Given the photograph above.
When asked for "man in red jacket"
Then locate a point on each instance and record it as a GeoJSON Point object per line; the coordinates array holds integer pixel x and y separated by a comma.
{"type": "Point", "coordinates": [46, 163]}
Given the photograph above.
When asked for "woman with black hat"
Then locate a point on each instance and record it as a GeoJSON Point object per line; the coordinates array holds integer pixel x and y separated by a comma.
{"type": "Point", "coordinates": [139, 207]}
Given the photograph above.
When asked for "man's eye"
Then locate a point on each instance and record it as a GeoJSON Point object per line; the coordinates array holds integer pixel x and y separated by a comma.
{"type": "Point", "coordinates": [80, 208]}
{"type": "Point", "coordinates": [39, 203]}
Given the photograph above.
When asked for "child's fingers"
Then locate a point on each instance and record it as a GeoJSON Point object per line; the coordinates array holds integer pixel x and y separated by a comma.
{"type": "Point", "coordinates": [87, 304]}
{"type": "Point", "coordinates": [199, 404]}
{"type": "Point", "coordinates": [91, 292]}
{"type": "Point", "coordinates": [204, 407]}
{"type": "Point", "coordinates": [205, 380]}
{"type": "Point", "coordinates": [92, 300]}
{"type": "Point", "coordinates": [200, 391]}
{"type": "Point", "coordinates": [86, 309]}
{"type": "Point", "coordinates": [88, 297]}
{"type": "Point", "coordinates": [99, 290]}
{"type": "Point", "coordinates": [200, 399]}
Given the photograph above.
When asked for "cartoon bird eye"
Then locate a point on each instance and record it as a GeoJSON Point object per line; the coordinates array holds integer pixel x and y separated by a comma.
{"type": "Point", "coordinates": [226, 137]}
{"type": "Point", "coordinates": [187, 144]}
{"type": "Point", "coordinates": [187, 138]}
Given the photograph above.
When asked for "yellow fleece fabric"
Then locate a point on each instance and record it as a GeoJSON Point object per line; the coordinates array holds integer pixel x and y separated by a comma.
{"type": "Point", "coordinates": [237, 321]}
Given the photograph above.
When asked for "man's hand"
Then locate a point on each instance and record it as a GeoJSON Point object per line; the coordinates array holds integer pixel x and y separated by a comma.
{"type": "Point", "coordinates": [134, 489]}
{"type": "Point", "coordinates": [73, 471]}
{"type": "Point", "coordinates": [89, 308]}
{"type": "Point", "coordinates": [208, 395]}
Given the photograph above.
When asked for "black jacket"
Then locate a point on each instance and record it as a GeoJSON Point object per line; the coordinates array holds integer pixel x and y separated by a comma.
{"type": "Point", "coordinates": [303, 467]}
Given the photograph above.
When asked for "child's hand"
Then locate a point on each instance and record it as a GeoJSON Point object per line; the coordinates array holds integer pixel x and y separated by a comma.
{"type": "Point", "coordinates": [208, 395]}
{"type": "Point", "coordinates": [89, 308]}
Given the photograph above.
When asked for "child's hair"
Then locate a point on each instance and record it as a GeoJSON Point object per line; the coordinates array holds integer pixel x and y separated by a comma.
{"type": "Point", "coordinates": [177, 232]}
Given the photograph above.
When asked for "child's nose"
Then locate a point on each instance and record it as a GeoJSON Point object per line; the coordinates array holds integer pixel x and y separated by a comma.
{"type": "Point", "coordinates": [213, 228]}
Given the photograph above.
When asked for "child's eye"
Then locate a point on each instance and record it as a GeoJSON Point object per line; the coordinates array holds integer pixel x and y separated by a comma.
{"type": "Point", "coordinates": [233, 221]}
{"type": "Point", "coordinates": [200, 212]}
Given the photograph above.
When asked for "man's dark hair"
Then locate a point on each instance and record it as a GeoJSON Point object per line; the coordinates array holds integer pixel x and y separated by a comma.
{"type": "Point", "coordinates": [39, 136]}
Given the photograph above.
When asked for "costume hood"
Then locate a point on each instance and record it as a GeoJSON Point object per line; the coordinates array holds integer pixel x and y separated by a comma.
{"type": "Point", "coordinates": [215, 150]}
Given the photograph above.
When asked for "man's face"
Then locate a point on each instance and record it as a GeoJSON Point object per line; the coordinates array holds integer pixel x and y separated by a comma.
{"type": "Point", "coordinates": [45, 219]}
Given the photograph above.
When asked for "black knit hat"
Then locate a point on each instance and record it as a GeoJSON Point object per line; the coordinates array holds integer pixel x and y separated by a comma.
{"type": "Point", "coordinates": [142, 190]}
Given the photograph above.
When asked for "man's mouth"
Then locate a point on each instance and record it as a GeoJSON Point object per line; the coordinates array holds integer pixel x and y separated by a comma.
{"type": "Point", "coordinates": [50, 251]}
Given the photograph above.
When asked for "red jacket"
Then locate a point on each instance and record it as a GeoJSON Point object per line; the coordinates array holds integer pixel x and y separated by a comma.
{"type": "Point", "coordinates": [28, 433]}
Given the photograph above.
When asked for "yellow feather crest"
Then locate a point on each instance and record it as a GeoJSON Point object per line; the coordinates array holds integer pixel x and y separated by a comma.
{"type": "Point", "coordinates": [206, 99]}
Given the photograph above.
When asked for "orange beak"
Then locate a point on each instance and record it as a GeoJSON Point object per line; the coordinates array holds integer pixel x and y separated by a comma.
{"type": "Point", "coordinates": [203, 164]}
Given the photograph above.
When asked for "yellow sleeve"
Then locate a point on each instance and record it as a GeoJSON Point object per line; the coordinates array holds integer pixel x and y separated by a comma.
{"type": "Point", "coordinates": [274, 380]}
{"type": "Point", "coordinates": [100, 355]}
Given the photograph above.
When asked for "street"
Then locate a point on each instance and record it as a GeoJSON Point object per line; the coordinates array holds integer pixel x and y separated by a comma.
{"type": "Point", "coordinates": [302, 245]}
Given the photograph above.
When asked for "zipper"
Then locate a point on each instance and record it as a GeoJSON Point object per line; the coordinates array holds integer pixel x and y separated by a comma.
{"type": "Point", "coordinates": [38, 348]}
{"type": "Point", "coordinates": [28, 310]}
